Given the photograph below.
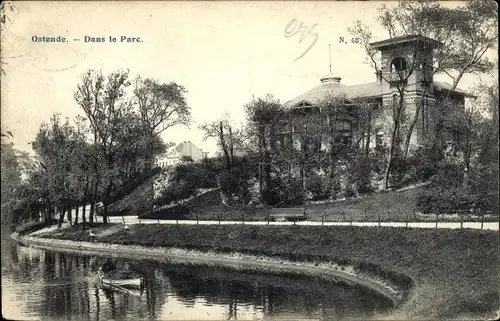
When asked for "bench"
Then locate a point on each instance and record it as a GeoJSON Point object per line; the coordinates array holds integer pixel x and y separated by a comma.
{"type": "Point", "coordinates": [287, 214]}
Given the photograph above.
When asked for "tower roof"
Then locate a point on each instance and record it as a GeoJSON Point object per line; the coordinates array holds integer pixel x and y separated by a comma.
{"type": "Point", "coordinates": [405, 39]}
{"type": "Point", "coordinates": [330, 78]}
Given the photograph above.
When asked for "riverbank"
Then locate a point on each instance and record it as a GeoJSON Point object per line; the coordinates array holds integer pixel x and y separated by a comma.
{"type": "Point", "coordinates": [446, 273]}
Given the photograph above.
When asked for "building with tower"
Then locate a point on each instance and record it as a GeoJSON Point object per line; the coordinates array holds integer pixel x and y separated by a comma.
{"type": "Point", "coordinates": [405, 67]}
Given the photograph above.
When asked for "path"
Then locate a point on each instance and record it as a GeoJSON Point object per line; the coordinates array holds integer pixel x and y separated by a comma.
{"type": "Point", "coordinates": [130, 220]}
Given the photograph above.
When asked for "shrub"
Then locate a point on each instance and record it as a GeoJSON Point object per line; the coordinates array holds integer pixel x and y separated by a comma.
{"type": "Point", "coordinates": [195, 175]}
{"type": "Point", "coordinates": [176, 212]}
{"type": "Point", "coordinates": [319, 187]}
{"type": "Point", "coordinates": [399, 168]}
{"type": "Point", "coordinates": [440, 200]}
{"type": "Point", "coordinates": [421, 166]}
{"type": "Point", "coordinates": [33, 226]}
{"type": "Point", "coordinates": [174, 193]}
{"type": "Point", "coordinates": [446, 194]}
{"type": "Point", "coordinates": [234, 181]}
{"type": "Point", "coordinates": [360, 174]}
{"type": "Point", "coordinates": [292, 194]}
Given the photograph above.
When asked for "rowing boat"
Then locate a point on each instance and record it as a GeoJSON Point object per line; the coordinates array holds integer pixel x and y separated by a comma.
{"type": "Point", "coordinates": [136, 283]}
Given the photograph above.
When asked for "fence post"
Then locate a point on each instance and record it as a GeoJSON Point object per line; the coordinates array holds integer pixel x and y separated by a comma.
{"type": "Point", "coordinates": [461, 221]}
{"type": "Point", "coordinates": [158, 220]}
{"type": "Point", "coordinates": [482, 220]}
{"type": "Point", "coordinates": [322, 218]}
{"type": "Point", "coordinates": [177, 221]}
{"type": "Point", "coordinates": [407, 219]}
{"type": "Point", "coordinates": [437, 219]}
{"type": "Point", "coordinates": [243, 218]}
{"type": "Point", "coordinates": [139, 218]}
{"type": "Point", "coordinates": [197, 221]}
{"type": "Point", "coordinates": [268, 218]}
{"type": "Point", "coordinates": [123, 219]}
{"type": "Point", "coordinates": [378, 219]}
{"type": "Point", "coordinates": [213, 216]}
{"type": "Point", "coordinates": [415, 214]}
{"type": "Point", "coordinates": [219, 218]}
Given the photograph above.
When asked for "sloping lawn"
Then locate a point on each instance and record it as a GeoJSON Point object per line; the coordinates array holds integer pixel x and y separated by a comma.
{"type": "Point", "coordinates": [389, 206]}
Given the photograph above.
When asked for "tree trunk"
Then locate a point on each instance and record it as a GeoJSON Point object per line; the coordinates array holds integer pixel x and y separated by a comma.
{"type": "Point", "coordinates": [395, 139]}
{"type": "Point", "coordinates": [231, 147]}
{"type": "Point", "coordinates": [331, 129]}
{"type": "Point", "coordinates": [388, 168]}
{"type": "Point", "coordinates": [224, 146]}
{"type": "Point", "coordinates": [70, 215]}
{"type": "Point", "coordinates": [85, 200]}
{"type": "Point", "coordinates": [106, 200]}
{"type": "Point", "coordinates": [61, 217]}
{"type": "Point", "coordinates": [94, 197]}
{"type": "Point", "coordinates": [368, 135]}
{"type": "Point", "coordinates": [412, 126]}
{"type": "Point", "coordinates": [76, 214]}
{"type": "Point", "coordinates": [261, 163]}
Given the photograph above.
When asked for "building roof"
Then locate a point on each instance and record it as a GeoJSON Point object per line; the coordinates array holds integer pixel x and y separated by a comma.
{"type": "Point", "coordinates": [446, 86]}
{"type": "Point", "coordinates": [331, 87]}
{"type": "Point", "coordinates": [402, 39]}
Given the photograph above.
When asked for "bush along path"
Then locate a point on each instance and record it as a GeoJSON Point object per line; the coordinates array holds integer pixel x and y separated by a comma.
{"type": "Point", "coordinates": [447, 273]}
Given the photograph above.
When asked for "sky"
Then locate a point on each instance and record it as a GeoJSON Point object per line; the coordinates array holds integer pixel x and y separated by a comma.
{"type": "Point", "coordinates": [223, 53]}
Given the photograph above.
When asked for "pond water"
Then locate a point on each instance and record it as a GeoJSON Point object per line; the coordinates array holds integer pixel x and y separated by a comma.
{"type": "Point", "coordinates": [49, 285]}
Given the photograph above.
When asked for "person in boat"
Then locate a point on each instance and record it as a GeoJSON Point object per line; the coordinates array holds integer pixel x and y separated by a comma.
{"type": "Point", "coordinates": [108, 266]}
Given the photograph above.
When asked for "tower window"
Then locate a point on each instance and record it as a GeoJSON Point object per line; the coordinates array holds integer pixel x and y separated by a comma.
{"type": "Point", "coordinates": [398, 64]}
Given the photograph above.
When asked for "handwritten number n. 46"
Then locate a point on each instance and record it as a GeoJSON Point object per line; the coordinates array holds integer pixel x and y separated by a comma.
{"type": "Point", "coordinates": [293, 28]}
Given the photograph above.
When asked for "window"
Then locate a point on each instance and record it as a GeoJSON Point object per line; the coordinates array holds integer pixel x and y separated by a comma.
{"type": "Point", "coordinates": [398, 64]}
{"type": "Point", "coordinates": [343, 125]}
{"type": "Point", "coordinates": [344, 132]}
{"type": "Point", "coordinates": [379, 139]}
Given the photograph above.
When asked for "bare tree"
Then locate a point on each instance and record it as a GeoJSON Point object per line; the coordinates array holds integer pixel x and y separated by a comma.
{"type": "Point", "coordinates": [226, 135]}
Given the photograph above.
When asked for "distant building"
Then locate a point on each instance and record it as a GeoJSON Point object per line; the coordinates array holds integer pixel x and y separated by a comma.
{"type": "Point", "coordinates": [175, 155]}
{"type": "Point", "coordinates": [27, 164]}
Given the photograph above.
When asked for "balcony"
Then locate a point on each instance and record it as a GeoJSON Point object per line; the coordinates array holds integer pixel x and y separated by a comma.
{"type": "Point", "coordinates": [398, 77]}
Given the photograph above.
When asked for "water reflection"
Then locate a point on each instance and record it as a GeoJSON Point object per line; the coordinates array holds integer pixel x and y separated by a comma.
{"type": "Point", "coordinates": [49, 285]}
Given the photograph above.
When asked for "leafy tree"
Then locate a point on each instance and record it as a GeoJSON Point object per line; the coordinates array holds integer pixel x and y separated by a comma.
{"type": "Point", "coordinates": [103, 101]}
{"type": "Point", "coordinates": [161, 106]}
{"type": "Point", "coordinates": [55, 145]}
{"type": "Point", "coordinates": [264, 116]}
{"type": "Point", "coordinates": [11, 178]}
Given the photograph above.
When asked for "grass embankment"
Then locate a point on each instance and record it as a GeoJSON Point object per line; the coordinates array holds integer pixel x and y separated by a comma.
{"type": "Point", "coordinates": [452, 272]}
{"type": "Point", "coordinates": [388, 206]}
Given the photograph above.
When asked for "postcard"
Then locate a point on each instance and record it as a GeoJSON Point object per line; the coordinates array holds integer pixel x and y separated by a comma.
{"type": "Point", "coordinates": [241, 160]}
